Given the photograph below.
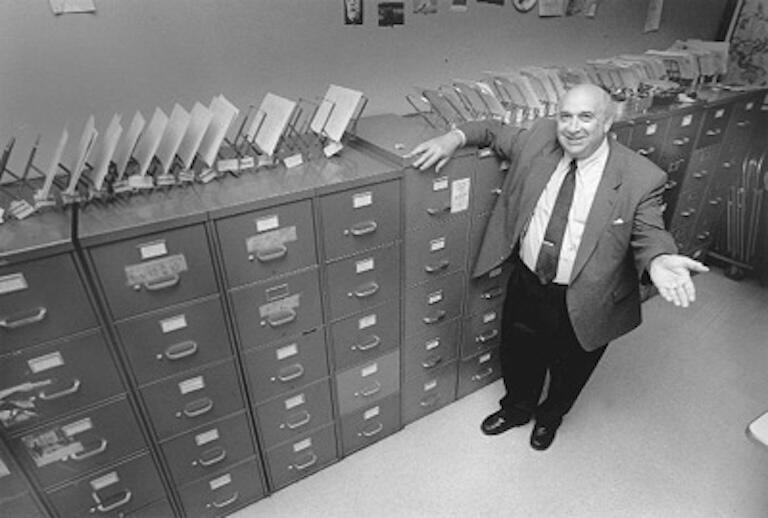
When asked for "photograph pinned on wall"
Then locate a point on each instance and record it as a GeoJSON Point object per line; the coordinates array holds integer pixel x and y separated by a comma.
{"type": "Point", "coordinates": [391, 14]}
{"type": "Point", "coordinates": [353, 12]}
{"type": "Point", "coordinates": [424, 6]}
{"type": "Point", "coordinates": [459, 6]}
{"type": "Point", "coordinates": [551, 8]}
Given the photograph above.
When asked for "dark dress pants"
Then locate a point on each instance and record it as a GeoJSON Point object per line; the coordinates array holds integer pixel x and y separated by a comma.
{"type": "Point", "coordinates": [537, 337]}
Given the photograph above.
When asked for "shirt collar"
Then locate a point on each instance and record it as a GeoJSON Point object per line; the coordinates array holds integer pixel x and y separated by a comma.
{"type": "Point", "coordinates": [600, 155]}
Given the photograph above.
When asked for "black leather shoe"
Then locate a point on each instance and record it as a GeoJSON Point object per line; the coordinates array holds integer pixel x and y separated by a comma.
{"type": "Point", "coordinates": [503, 420]}
{"type": "Point", "coordinates": [543, 434]}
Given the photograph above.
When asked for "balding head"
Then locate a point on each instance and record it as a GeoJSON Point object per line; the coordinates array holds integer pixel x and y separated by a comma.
{"type": "Point", "coordinates": [585, 114]}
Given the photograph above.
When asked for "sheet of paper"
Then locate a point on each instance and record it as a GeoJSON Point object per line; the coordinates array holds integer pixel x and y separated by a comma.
{"type": "Point", "coordinates": [104, 153]}
{"type": "Point", "coordinates": [72, 6]}
{"type": "Point", "coordinates": [150, 140]}
{"type": "Point", "coordinates": [271, 120]}
{"type": "Point", "coordinates": [653, 16]}
{"type": "Point", "coordinates": [336, 111]}
{"type": "Point", "coordinates": [199, 120]}
{"type": "Point", "coordinates": [87, 140]}
{"type": "Point", "coordinates": [126, 146]}
{"type": "Point", "coordinates": [174, 132]}
{"type": "Point", "coordinates": [224, 113]}
{"type": "Point", "coordinates": [44, 192]}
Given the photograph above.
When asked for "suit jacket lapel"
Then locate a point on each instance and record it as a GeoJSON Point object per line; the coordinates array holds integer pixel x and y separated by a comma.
{"type": "Point", "coordinates": [542, 167]}
{"type": "Point", "coordinates": [600, 212]}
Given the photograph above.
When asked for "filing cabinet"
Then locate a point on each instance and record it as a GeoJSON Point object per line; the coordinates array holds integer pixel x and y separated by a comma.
{"type": "Point", "coordinates": [367, 335]}
{"type": "Point", "coordinates": [433, 197]}
{"type": "Point", "coordinates": [432, 350]}
{"type": "Point", "coordinates": [648, 135]}
{"type": "Point", "coordinates": [433, 302]}
{"type": "Point", "coordinates": [434, 250]}
{"type": "Point", "coordinates": [371, 381]}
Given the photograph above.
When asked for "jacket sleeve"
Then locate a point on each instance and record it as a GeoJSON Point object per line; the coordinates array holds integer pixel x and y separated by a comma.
{"type": "Point", "coordinates": [649, 237]}
{"type": "Point", "coordinates": [504, 140]}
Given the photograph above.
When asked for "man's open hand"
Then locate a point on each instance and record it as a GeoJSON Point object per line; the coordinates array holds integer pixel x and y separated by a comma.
{"type": "Point", "coordinates": [671, 274]}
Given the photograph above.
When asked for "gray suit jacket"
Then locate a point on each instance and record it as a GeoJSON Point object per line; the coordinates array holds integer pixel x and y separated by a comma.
{"type": "Point", "coordinates": [623, 232]}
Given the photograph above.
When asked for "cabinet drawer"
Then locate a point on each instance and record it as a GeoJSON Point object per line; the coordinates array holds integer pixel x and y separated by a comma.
{"type": "Point", "coordinates": [435, 250]}
{"type": "Point", "coordinates": [302, 456]}
{"type": "Point", "coordinates": [269, 242]}
{"type": "Point", "coordinates": [41, 300]}
{"type": "Point", "coordinates": [478, 371]}
{"type": "Point", "coordinates": [166, 342]}
{"type": "Point", "coordinates": [115, 491]}
{"type": "Point", "coordinates": [427, 353]}
{"type": "Point", "coordinates": [159, 509]}
{"type": "Point", "coordinates": [481, 331]}
{"type": "Point", "coordinates": [286, 365]}
{"type": "Point", "coordinates": [433, 302]}
{"type": "Point", "coordinates": [743, 121]}
{"type": "Point", "coordinates": [198, 396]}
{"type": "Point", "coordinates": [425, 394]}
{"type": "Point", "coordinates": [372, 381]}
{"type": "Point", "coordinates": [363, 337]}
{"type": "Point", "coordinates": [489, 177]}
{"type": "Point", "coordinates": [154, 271]}
{"type": "Point", "coordinates": [222, 493]}
{"type": "Point", "coordinates": [648, 138]}
{"type": "Point", "coordinates": [489, 290]}
{"type": "Point", "coordinates": [363, 281]}
{"type": "Point", "coordinates": [294, 413]}
{"type": "Point", "coordinates": [370, 424]}
{"type": "Point", "coordinates": [57, 378]}
{"type": "Point", "coordinates": [21, 506]}
{"type": "Point", "coordinates": [432, 197]}
{"type": "Point", "coordinates": [71, 447]}
{"type": "Point", "coordinates": [360, 219]}
{"type": "Point", "coordinates": [714, 125]}
{"type": "Point", "coordinates": [267, 312]}
{"type": "Point", "coordinates": [208, 449]}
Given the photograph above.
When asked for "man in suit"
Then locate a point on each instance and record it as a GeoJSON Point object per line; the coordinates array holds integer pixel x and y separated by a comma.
{"type": "Point", "coordinates": [580, 219]}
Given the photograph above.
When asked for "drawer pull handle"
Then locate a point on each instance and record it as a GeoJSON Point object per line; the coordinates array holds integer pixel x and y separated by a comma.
{"type": "Point", "coordinates": [273, 254]}
{"type": "Point", "coordinates": [482, 375]}
{"type": "Point", "coordinates": [369, 391]}
{"type": "Point", "coordinates": [163, 284]}
{"type": "Point", "coordinates": [375, 431]}
{"type": "Point", "coordinates": [212, 456]}
{"type": "Point", "coordinates": [292, 424]}
{"type": "Point", "coordinates": [362, 229]}
{"type": "Point", "coordinates": [101, 448]}
{"type": "Point", "coordinates": [181, 350]}
{"type": "Point", "coordinates": [229, 501]}
{"type": "Point", "coordinates": [430, 400]}
{"type": "Point", "coordinates": [671, 184]}
{"type": "Point", "coordinates": [497, 191]}
{"type": "Point", "coordinates": [492, 293]}
{"type": "Point", "coordinates": [688, 213]}
{"type": "Point", "coordinates": [434, 211]}
{"type": "Point", "coordinates": [714, 132]}
{"type": "Point", "coordinates": [291, 372]}
{"type": "Point", "coordinates": [681, 141]}
{"type": "Point", "coordinates": [743, 124]}
{"type": "Point", "coordinates": [727, 165]}
{"type": "Point", "coordinates": [312, 460]}
{"type": "Point", "coordinates": [646, 151]}
{"type": "Point", "coordinates": [700, 174]}
{"type": "Point", "coordinates": [365, 290]}
{"type": "Point", "coordinates": [431, 363]}
{"type": "Point", "coordinates": [367, 346]}
{"type": "Point", "coordinates": [198, 407]}
{"type": "Point", "coordinates": [65, 392]}
{"type": "Point", "coordinates": [437, 317]}
{"type": "Point", "coordinates": [281, 318]}
{"type": "Point", "coordinates": [442, 265]}
{"type": "Point", "coordinates": [703, 236]}
{"type": "Point", "coordinates": [487, 337]}
{"type": "Point", "coordinates": [11, 323]}
{"type": "Point", "coordinates": [119, 503]}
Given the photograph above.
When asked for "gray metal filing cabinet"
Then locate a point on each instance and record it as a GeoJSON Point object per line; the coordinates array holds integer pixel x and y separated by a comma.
{"type": "Point", "coordinates": [17, 497]}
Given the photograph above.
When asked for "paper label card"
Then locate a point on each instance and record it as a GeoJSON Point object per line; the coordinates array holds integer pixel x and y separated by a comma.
{"type": "Point", "coordinates": [199, 120]}
{"type": "Point", "coordinates": [204, 438]}
{"type": "Point", "coordinates": [371, 413]}
{"type": "Point", "coordinates": [155, 270]}
{"type": "Point", "coordinates": [104, 481]}
{"type": "Point", "coordinates": [336, 111]}
{"type": "Point", "coordinates": [150, 141]}
{"type": "Point", "coordinates": [294, 401]}
{"type": "Point", "coordinates": [366, 321]}
{"type": "Point", "coordinates": [270, 122]}
{"type": "Point", "coordinates": [224, 113]}
{"type": "Point", "coordinates": [84, 148]}
{"type": "Point", "coordinates": [220, 482]}
{"type": "Point", "coordinates": [153, 249]}
{"type": "Point", "coordinates": [287, 351]}
{"type": "Point", "coordinates": [171, 140]}
{"type": "Point", "coordinates": [46, 362]}
{"type": "Point", "coordinates": [12, 282]}
{"type": "Point", "coordinates": [172, 324]}
{"type": "Point", "coordinates": [460, 195]}
{"type": "Point", "coordinates": [302, 445]}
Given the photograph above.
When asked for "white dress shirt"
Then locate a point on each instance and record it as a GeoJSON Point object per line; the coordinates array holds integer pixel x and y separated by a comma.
{"type": "Point", "coordinates": [588, 173]}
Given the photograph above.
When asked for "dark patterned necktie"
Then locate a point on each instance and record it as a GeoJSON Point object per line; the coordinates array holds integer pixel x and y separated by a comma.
{"type": "Point", "coordinates": [546, 264]}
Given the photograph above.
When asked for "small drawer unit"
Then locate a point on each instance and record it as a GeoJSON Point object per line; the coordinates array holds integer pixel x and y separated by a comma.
{"type": "Point", "coordinates": [368, 382]}
{"type": "Point", "coordinates": [435, 250]}
{"type": "Point", "coordinates": [269, 242]}
{"type": "Point", "coordinates": [302, 456]}
{"type": "Point", "coordinates": [429, 352]}
{"type": "Point", "coordinates": [365, 336]}
{"type": "Point", "coordinates": [425, 393]}
{"type": "Point", "coordinates": [433, 302]}
{"type": "Point", "coordinates": [360, 219]}
{"type": "Point", "coordinates": [370, 424]}
{"type": "Point", "coordinates": [432, 197]}
{"type": "Point", "coordinates": [478, 371]}
{"type": "Point", "coordinates": [154, 271]}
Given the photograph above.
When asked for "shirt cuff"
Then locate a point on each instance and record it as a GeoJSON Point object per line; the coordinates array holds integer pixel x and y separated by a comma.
{"type": "Point", "coordinates": [461, 135]}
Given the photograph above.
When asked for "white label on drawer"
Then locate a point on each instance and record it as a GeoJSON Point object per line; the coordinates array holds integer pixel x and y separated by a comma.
{"type": "Point", "coordinates": [332, 148]}
{"type": "Point", "coordinates": [247, 162]}
{"type": "Point", "coordinates": [484, 358]}
{"type": "Point", "coordinates": [293, 160]}
{"type": "Point", "coordinates": [267, 223]}
{"type": "Point", "coordinates": [719, 113]}
{"type": "Point", "coordinates": [435, 297]}
{"type": "Point", "coordinates": [156, 270]}
{"type": "Point", "coordinates": [302, 445]}
{"type": "Point", "coordinates": [651, 129]}
{"type": "Point", "coordinates": [370, 369]}
{"type": "Point", "coordinates": [749, 106]}
{"type": "Point", "coordinates": [191, 385]}
{"type": "Point", "coordinates": [77, 427]}
{"type": "Point", "coordinates": [460, 195]}
{"type": "Point", "coordinates": [686, 121]}
{"type": "Point", "coordinates": [43, 363]}
{"type": "Point", "coordinates": [371, 413]}
{"type": "Point", "coordinates": [489, 317]}
{"type": "Point", "coordinates": [494, 273]}
{"type": "Point", "coordinates": [153, 249]}
{"type": "Point", "coordinates": [364, 265]}
{"type": "Point", "coordinates": [104, 481]}
{"type": "Point", "coordinates": [271, 240]}
{"type": "Point", "coordinates": [293, 402]}
{"type": "Point", "coordinates": [287, 351]}
{"type": "Point", "coordinates": [280, 305]}
{"type": "Point", "coordinates": [362, 199]}
{"type": "Point", "coordinates": [221, 481]}
{"type": "Point", "coordinates": [4, 471]}
{"type": "Point", "coordinates": [206, 437]}
{"type": "Point", "coordinates": [228, 164]}
{"type": "Point", "coordinates": [430, 385]}
{"type": "Point", "coordinates": [366, 321]}
{"type": "Point", "coordinates": [437, 244]}
{"type": "Point", "coordinates": [440, 183]}
{"type": "Point", "coordinates": [12, 282]}
{"type": "Point", "coordinates": [174, 323]}
{"type": "Point", "coordinates": [431, 344]}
